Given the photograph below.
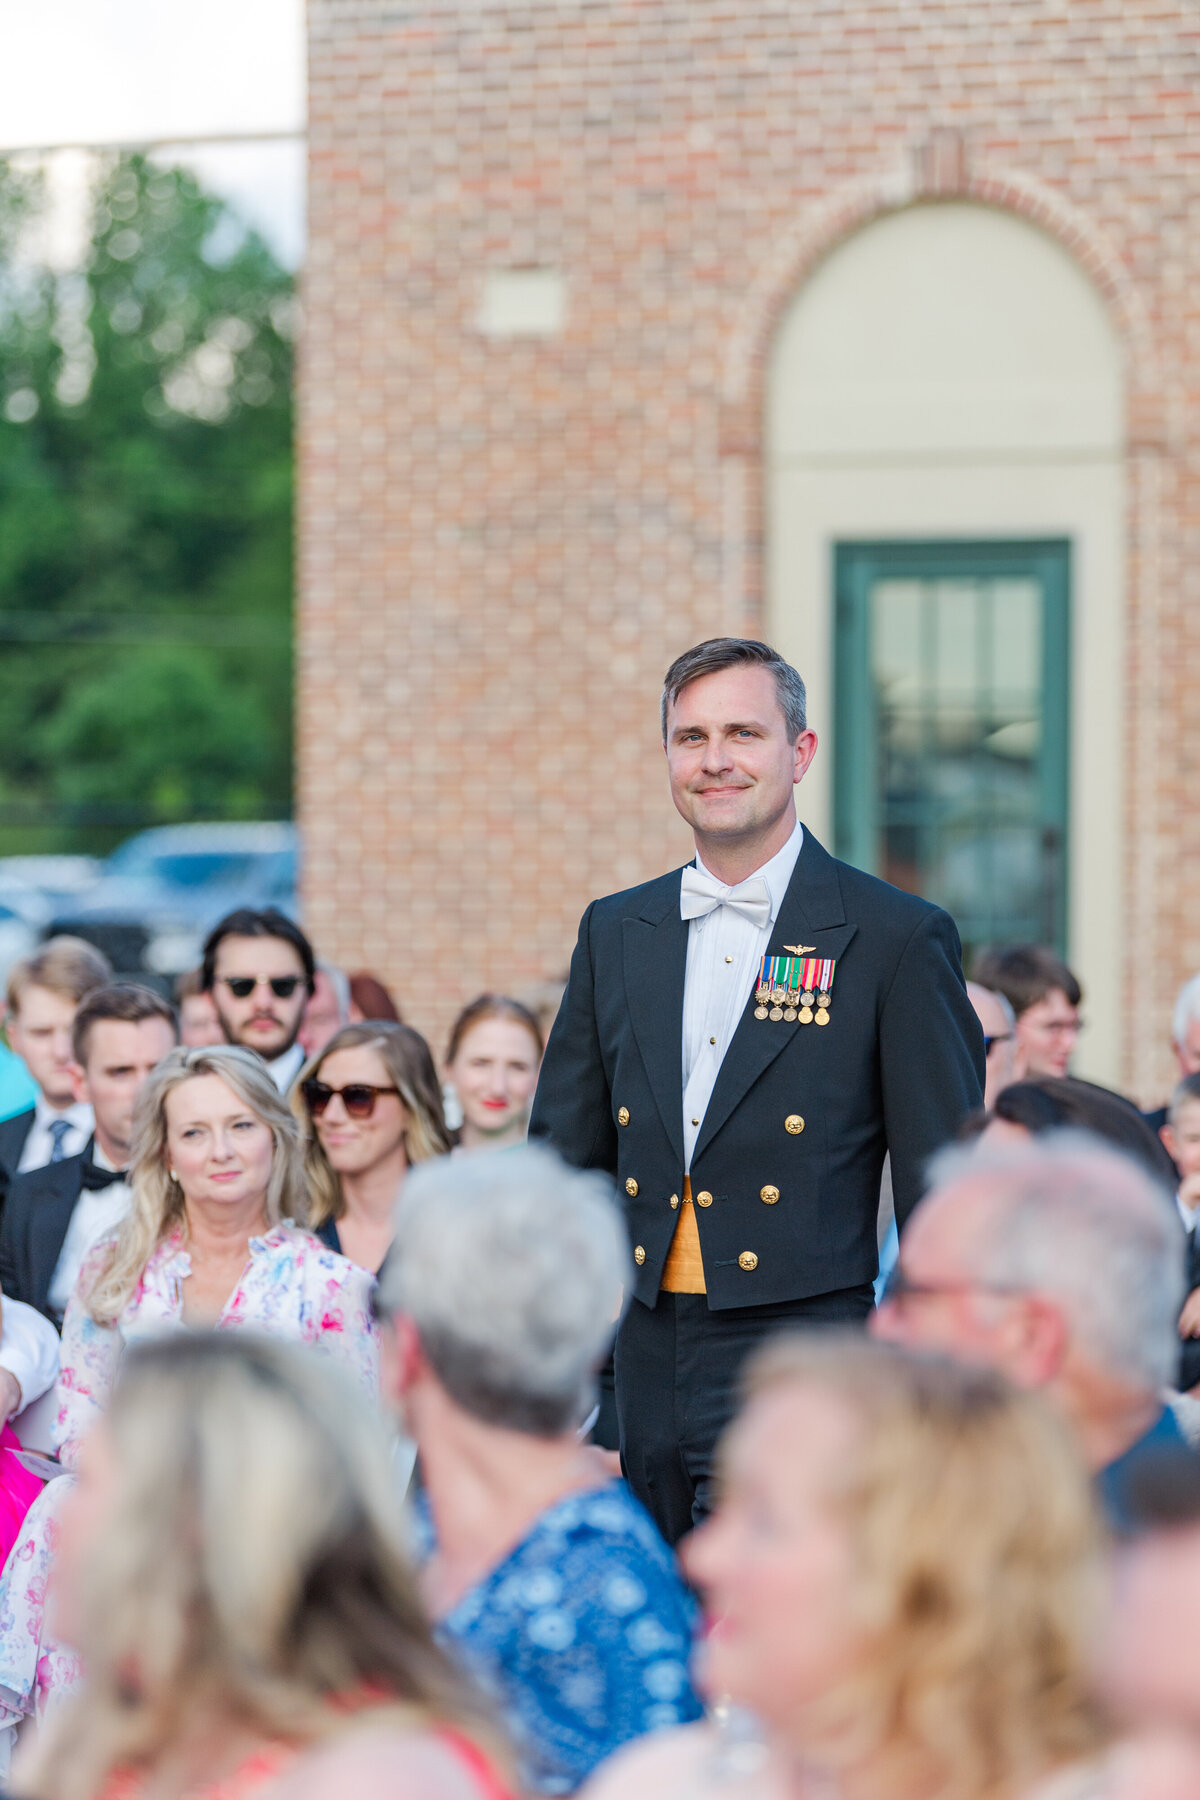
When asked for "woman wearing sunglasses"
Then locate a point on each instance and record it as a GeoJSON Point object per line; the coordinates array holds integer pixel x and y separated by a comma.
{"type": "Point", "coordinates": [208, 1243]}
{"type": "Point", "coordinates": [370, 1107]}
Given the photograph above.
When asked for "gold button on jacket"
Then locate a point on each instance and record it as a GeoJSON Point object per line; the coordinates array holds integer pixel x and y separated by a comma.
{"type": "Point", "coordinates": [703, 1198]}
{"type": "Point", "coordinates": [622, 1115]}
{"type": "Point", "coordinates": [631, 1188]}
{"type": "Point", "coordinates": [674, 1201]}
{"type": "Point", "coordinates": [768, 1194]}
{"type": "Point", "coordinates": [747, 1260]}
{"type": "Point", "coordinates": [793, 1124]}
{"type": "Point", "coordinates": [639, 1255]}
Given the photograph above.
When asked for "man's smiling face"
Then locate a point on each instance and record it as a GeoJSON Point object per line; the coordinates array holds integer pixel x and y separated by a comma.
{"type": "Point", "coordinates": [731, 763]}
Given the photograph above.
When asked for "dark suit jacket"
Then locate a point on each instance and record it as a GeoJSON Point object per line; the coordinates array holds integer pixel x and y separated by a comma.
{"type": "Point", "coordinates": [898, 1067]}
{"type": "Point", "coordinates": [36, 1216]}
{"type": "Point", "coordinates": [1189, 1349]}
{"type": "Point", "coordinates": [13, 1133]}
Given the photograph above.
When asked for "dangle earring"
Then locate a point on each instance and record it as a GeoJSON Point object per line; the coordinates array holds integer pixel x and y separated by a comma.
{"type": "Point", "coordinates": [174, 1177]}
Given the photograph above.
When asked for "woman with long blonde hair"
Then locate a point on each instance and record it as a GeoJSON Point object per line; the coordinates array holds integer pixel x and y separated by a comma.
{"type": "Point", "coordinates": [902, 1582]}
{"type": "Point", "coordinates": [232, 1569]}
{"type": "Point", "coordinates": [208, 1241]}
{"type": "Point", "coordinates": [370, 1109]}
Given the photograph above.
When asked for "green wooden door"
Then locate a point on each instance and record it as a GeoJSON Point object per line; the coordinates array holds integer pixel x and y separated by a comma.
{"type": "Point", "coordinates": [951, 713]}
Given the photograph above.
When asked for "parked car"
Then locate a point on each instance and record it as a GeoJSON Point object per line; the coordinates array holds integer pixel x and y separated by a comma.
{"type": "Point", "coordinates": [162, 891]}
{"type": "Point", "coordinates": [60, 879]}
{"type": "Point", "coordinates": [18, 937]}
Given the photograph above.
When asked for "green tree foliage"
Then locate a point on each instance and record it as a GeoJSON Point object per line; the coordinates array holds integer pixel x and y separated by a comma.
{"type": "Point", "coordinates": [145, 518]}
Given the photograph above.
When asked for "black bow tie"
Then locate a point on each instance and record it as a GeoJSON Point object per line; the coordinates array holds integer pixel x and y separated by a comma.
{"type": "Point", "coordinates": [96, 1178]}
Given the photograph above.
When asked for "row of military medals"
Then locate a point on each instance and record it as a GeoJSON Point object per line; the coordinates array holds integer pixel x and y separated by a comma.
{"type": "Point", "coordinates": [788, 986]}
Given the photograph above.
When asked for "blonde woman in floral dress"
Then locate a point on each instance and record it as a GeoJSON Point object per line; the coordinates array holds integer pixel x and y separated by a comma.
{"type": "Point", "coordinates": [208, 1243]}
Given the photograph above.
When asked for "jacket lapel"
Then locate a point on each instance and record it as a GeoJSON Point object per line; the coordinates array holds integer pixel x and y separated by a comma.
{"type": "Point", "coordinates": [48, 1227]}
{"type": "Point", "coordinates": [812, 913]}
{"type": "Point", "coordinates": [655, 952]}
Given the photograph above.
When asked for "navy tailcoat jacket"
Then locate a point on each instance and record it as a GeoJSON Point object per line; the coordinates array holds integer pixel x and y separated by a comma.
{"type": "Point", "coordinates": [786, 1169]}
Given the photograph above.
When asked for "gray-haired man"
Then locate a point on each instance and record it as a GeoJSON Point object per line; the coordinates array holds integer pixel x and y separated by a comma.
{"type": "Point", "coordinates": [1062, 1265]}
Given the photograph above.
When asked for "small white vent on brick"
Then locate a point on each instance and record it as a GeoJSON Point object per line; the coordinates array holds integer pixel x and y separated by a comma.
{"type": "Point", "coordinates": [523, 303]}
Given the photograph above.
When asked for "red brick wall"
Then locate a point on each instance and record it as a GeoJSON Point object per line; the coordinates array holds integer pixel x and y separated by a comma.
{"type": "Point", "coordinates": [503, 543]}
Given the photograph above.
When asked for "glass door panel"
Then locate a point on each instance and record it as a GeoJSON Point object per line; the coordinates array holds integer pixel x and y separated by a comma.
{"type": "Point", "coordinates": [951, 768]}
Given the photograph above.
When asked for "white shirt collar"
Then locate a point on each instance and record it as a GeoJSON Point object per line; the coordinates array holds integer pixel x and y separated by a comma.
{"type": "Point", "coordinates": [1187, 1215]}
{"type": "Point", "coordinates": [778, 872]}
{"type": "Point", "coordinates": [284, 1069]}
{"type": "Point", "coordinates": [78, 1114]}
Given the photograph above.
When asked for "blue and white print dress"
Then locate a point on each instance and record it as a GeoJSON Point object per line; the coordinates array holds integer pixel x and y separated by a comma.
{"type": "Point", "coordinates": [580, 1636]}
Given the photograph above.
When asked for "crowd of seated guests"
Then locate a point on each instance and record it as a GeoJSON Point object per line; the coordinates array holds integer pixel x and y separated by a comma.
{"type": "Point", "coordinates": [232, 1568]}
{"type": "Point", "coordinates": [289, 1244]}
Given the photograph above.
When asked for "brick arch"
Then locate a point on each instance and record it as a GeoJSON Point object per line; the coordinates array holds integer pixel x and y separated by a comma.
{"type": "Point", "coordinates": [940, 169]}
{"type": "Point", "coordinates": [943, 169]}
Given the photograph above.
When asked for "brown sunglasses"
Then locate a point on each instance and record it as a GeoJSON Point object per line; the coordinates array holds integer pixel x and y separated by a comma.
{"type": "Point", "coordinates": [358, 1097]}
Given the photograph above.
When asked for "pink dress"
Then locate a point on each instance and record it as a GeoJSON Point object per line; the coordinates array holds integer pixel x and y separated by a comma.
{"type": "Point", "coordinates": [292, 1287]}
{"type": "Point", "coordinates": [18, 1490]}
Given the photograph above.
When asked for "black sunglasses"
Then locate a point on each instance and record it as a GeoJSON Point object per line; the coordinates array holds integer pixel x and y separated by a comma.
{"type": "Point", "coordinates": [358, 1097]}
{"type": "Point", "coordinates": [282, 986]}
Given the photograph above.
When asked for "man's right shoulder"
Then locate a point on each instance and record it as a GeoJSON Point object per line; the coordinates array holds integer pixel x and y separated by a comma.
{"type": "Point", "coordinates": [25, 1189]}
{"type": "Point", "coordinates": [648, 899]}
{"type": "Point", "coordinates": [13, 1132]}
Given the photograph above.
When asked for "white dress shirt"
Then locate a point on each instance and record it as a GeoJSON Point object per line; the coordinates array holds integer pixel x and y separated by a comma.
{"type": "Point", "coordinates": [40, 1142]}
{"type": "Point", "coordinates": [97, 1211]}
{"type": "Point", "coordinates": [1187, 1215]}
{"type": "Point", "coordinates": [285, 1068]}
{"type": "Point", "coordinates": [723, 955]}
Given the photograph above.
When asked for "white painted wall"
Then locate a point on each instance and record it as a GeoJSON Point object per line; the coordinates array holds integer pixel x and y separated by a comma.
{"type": "Point", "coordinates": [950, 372]}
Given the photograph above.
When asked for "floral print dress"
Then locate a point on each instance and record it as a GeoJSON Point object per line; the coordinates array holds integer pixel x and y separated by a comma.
{"type": "Point", "coordinates": [292, 1287]}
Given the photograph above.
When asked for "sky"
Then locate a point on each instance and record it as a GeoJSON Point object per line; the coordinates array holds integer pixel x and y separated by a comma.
{"type": "Point", "coordinates": [96, 72]}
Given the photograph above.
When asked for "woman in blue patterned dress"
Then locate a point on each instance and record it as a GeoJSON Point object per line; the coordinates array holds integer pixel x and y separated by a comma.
{"type": "Point", "coordinates": [548, 1581]}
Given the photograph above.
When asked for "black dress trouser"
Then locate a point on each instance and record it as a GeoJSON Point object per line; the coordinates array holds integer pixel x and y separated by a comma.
{"type": "Point", "coordinates": [678, 1373]}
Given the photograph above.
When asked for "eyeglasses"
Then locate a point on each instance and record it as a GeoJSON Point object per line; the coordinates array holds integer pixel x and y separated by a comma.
{"type": "Point", "coordinates": [358, 1097]}
{"type": "Point", "coordinates": [242, 986]}
{"type": "Point", "coordinates": [1001, 1037]}
{"type": "Point", "coordinates": [899, 1287]}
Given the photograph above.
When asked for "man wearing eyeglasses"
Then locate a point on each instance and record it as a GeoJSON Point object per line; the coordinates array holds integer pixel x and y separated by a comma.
{"type": "Point", "coordinates": [258, 967]}
{"type": "Point", "coordinates": [1061, 1265]}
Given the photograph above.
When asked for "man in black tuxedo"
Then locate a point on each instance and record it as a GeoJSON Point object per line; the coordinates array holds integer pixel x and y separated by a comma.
{"type": "Point", "coordinates": [55, 1214]}
{"type": "Point", "coordinates": [741, 1043]}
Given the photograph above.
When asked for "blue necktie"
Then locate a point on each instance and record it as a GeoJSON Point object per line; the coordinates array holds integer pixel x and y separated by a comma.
{"type": "Point", "coordinates": [58, 1131]}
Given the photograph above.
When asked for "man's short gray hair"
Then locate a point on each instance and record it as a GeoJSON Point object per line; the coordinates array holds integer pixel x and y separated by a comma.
{"type": "Point", "coordinates": [511, 1266]}
{"type": "Point", "coordinates": [1187, 1008]}
{"type": "Point", "coordinates": [728, 653]}
{"type": "Point", "coordinates": [339, 981]}
{"type": "Point", "coordinates": [1089, 1229]}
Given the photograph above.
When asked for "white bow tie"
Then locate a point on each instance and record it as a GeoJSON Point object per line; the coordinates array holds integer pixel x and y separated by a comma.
{"type": "Point", "coordinates": [700, 894]}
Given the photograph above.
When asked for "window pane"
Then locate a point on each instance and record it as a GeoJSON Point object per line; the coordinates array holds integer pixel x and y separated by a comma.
{"type": "Point", "coordinates": [961, 805]}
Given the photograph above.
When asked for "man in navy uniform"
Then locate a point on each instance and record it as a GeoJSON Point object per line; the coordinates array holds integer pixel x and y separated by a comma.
{"type": "Point", "coordinates": [740, 1045]}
